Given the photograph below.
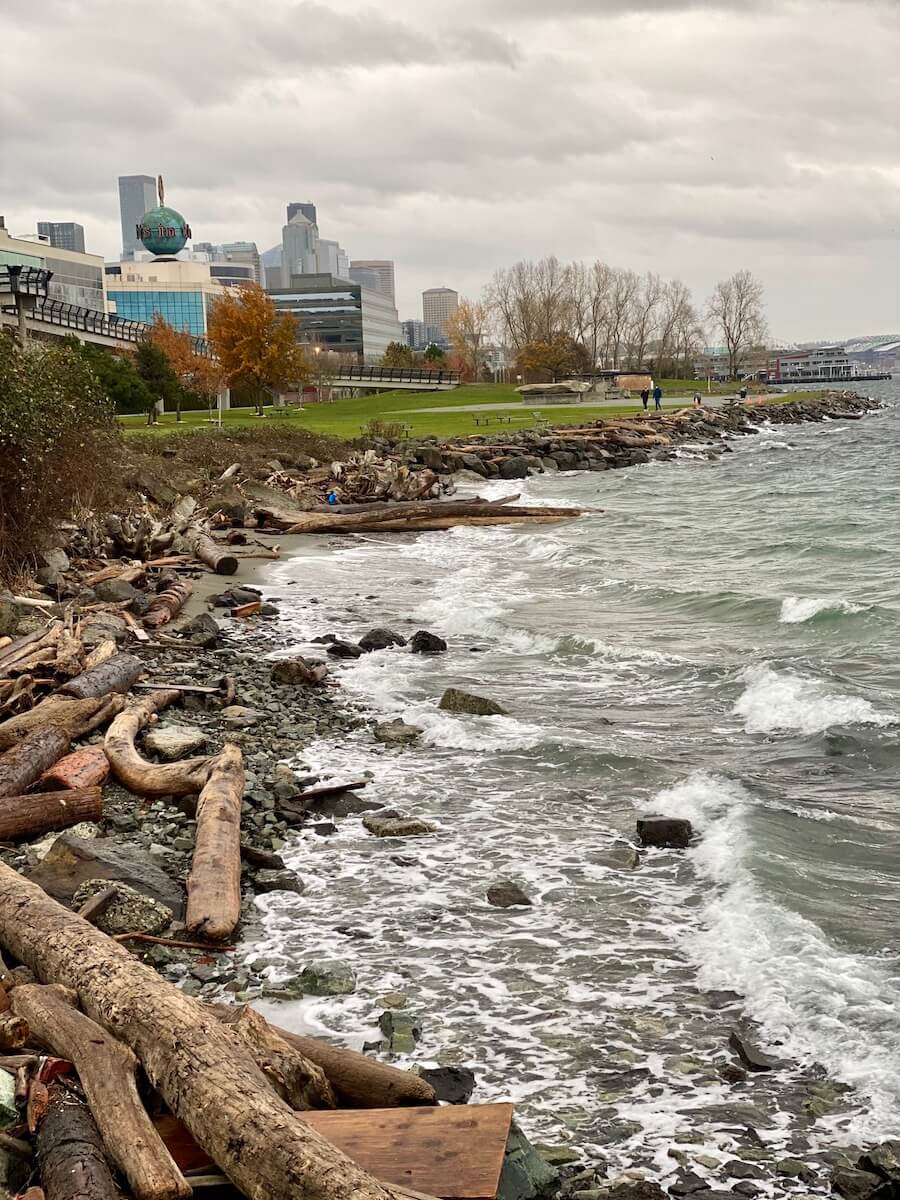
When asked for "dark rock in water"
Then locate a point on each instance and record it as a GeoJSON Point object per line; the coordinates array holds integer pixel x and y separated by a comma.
{"type": "Point", "coordinates": [327, 978]}
{"type": "Point", "coordinates": [454, 1085]}
{"type": "Point", "coordinates": [72, 861]}
{"type": "Point", "coordinates": [268, 610]}
{"type": "Point", "coordinates": [235, 597]}
{"type": "Point", "coordinates": [380, 639]}
{"type": "Point", "coordinates": [397, 733]}
{"type": "Point", "coordinates": [671, 833]}
{"type": "Point", "coordinates": [278, 881]}
{"type": "Point", "coordinates": [339, 649]}
{"type": "Point", "coordinates": [854, 1184]}
{"type": "Point", "coordinates": [725, 999]}
{"type": "Point", "coordinates": [711, 1194]}
{"type": "Point", "coordinates": [401, 1029]}
{"type": "Point", "coordinates": [736, 1169]}
{"type": "Point", "coordinates": [345, 804]}
{"type": "Point", "coordinates": [639, 1189]}
{"type": "Point", "coordinates": [456, 701]}
{"type": "Point", "coordinates": [732, 1073]}
{"type": "Point", "coordinates": [384, 826]}
{"type": "Point", "coordinates": [793, 1168]}
{"type": "Point", "coordinates": [424, 642]}
{"type": "Point", "coordinates": [746, 1188]}
{"type": "Point", "coordinates": [883, 1160]}
{"type": "Point", "coordinates": [525, 1175]}
{"type": "Point", "coordinates": [751, 1056]}
{"type": "Point", "coordinates": [323, 639]}
{"type": "Point", "coordinates": [686, 1183]}
{"type": "Point", "coordinates": [504, 894]}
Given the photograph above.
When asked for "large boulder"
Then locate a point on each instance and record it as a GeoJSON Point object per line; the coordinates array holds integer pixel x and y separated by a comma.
{"type": "Point", "coordinates": [397, 733]}
{"type": "Point", "coordinates": [171, 742]}
{"type": "Point", "coordinates": [750, 1055]}
{"type": "Point", "coordinates": [340, 649]}
{"type": "Point", "coordinates": [525, 1175]}
{"type": "Point", "coordinates": [393, 825]}
{"type": "Point", "coordinates": [380, 639]}
{"type": "Point", "coordinates": [203, 630]}
{"type": "Point", "coordinates": [423, 642]}
{"type": "Point", "coordinates": [854, 1184]}
{"type": "Point", "coordinates": [128, 912]}
{"type": "Point", "coordinates": [272, 880]}
{"type": "Point", "coordinates": [504, 894]}
{"type": "Point", "coordinates": [514, 468]}
{"type": "Point", "coordinates": [671, 833]}
{"type": "Point", "coordinates": [116, 591]}
{"type": "Point", "coordinates": [72, 861]}
{"type": "Point", "coordinates": [453, 1085]}
{"type": "Point", "coordinates": [299, 671]}
{"type": "Point", "coordinates": [456, 701]}
{"type": "Point", "coordinates": [331, 977]}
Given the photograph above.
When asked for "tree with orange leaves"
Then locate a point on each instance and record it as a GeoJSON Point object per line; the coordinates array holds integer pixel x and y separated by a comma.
{"type": "Point", "coordinates": [196, 372]}
{"type": "Point", "coordinates": [255, 344]}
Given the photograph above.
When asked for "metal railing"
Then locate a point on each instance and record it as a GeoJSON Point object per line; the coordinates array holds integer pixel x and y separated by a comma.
{"type": "Point", "coordinates": [396, 375]}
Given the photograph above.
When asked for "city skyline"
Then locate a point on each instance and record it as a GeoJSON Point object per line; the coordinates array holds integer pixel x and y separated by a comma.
{"type": "Point", "coordinates": [683, 165]}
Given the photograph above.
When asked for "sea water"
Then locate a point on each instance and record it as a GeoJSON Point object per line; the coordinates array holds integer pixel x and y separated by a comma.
{"type": "Point", "coordinates": [721, 643]}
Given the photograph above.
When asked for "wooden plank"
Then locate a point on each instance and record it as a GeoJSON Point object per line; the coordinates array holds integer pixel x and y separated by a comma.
{"type": "Point", "coordinates": [454, 1152]}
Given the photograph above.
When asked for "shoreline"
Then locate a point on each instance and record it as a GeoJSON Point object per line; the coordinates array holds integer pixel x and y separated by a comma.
{"type": "Point", "coordinates": [267, 738]}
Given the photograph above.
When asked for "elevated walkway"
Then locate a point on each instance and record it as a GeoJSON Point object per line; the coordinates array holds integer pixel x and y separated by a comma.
{"type": "Point", "coordinates": [389, 379]}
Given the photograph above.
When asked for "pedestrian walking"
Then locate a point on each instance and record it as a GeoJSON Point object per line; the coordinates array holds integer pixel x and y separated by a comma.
{"type": "Point", "coordinates": [645, 396]}
{"type": "Point", "coordinates": [657, 397]}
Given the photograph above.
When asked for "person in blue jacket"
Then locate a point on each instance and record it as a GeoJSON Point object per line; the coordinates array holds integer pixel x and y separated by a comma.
{"type": "Point", "coordinates": [657, 397]}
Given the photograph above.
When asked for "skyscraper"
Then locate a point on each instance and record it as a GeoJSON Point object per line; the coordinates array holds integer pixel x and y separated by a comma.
{"type": "Point", "coordinates": [438, 306]}
{"type": "Point", "coordinates": [137, 195]}
{"type": "Point", "coordinates": [64, 235]}
{"type": "Point", "coordinates": [246, 253]}
{"type": "Point", "coordinates": [299, 242]}
{"type": "Point", "coordinates": [307, 208]}
{"type": "Point", "coordinates": [383, 268]}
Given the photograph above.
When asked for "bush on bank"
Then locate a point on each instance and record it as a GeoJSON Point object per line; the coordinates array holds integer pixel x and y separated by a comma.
{"type": "Point", "coordinates": [59, 446]}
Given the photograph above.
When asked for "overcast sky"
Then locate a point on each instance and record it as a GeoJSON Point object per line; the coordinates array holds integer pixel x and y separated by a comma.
{"type": "Point", "coordinates": [693, 139]}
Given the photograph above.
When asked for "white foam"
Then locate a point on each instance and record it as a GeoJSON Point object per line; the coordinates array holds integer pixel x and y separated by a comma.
{"type": "Point", "coordinates": [772, 702]}
{"type": "Point", "coordinates": [797, 609]}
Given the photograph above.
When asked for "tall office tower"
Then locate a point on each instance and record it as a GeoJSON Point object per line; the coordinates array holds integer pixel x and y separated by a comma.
{"type": "Point", "coordinates": [137, 195]}
{"type": "Point", "coordinates": [299, 242]}
{"type": "Point", "coordinates": [383, 268]}
{"type": "Point", "coordinates": [306, 208]}
{"type": "Point", "coordinates": [438, 306]}
{"type": "Point", "coordinates": [64, 235]}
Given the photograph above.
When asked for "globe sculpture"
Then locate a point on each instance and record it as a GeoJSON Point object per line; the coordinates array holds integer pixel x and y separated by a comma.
{"type": "Point", "coordinates": [162, 230]}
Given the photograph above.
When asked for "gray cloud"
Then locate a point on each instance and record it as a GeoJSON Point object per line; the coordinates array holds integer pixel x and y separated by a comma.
{"type": "Point", "coordinates": [688, 138]}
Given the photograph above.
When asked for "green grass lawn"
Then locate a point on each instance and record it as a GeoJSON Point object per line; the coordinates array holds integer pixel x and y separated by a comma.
{"type": "Point", "coordinates": [347, 418]}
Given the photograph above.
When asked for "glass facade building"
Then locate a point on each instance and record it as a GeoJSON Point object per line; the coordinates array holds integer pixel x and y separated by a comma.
{"type": "Point", "coordinates": [181, 291]}
{"type": "Point", "coordinates": [184, 310]}
{"type": "Point", "coordinates": [339, 316]}
{"type": "Point", "coordinates": [65, 235]}
{"type": "Point", "coordinates": [77, 278]}
{"type": "Point", "coordinates": [137, 195]}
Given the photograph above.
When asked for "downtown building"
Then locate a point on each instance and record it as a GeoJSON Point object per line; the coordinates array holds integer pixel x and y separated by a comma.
{"type": "Point", "coordinates": [77, 278]}
{"type": "Point", "coordinates": [377, 274]}
{"type": "Point", "coordinates": [137, 195]}
{"type": "Point", "coordinates": [438, 306]}
{"type": "Point", "coordinates": [232, 263]}
{"type": "Point", "coordinates": [181, 291]}
{"type": "Point", "coordinates": [62, 235]}
{"type": "Point", "coordinates": [340, 316]}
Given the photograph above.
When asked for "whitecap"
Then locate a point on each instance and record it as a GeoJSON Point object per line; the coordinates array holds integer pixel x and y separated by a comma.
{"type": "Point", "coordinates": [774, 702]}
{"type": "Point", "coordinates": [797, 609]}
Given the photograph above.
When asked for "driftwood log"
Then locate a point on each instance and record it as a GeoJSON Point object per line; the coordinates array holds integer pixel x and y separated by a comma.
{"type": "Point", "coordinates": [29, 816]}
{"type": "Point", "coordinates": [14, 1031]}
{"type": "Point", "coordinates": [214, 884]}
{"type": "Point", "coordinates": [358, 1081]}
{"type": "Point", "coordinates": [168, 603]}
{"type": "Point", "coordinates": [88, 767]}
{"type": "Point", "coordinates": [108, 1072]}
{"type": "Point", "coordinates": [405, 516]}
{"type": "Point", "coordinates": [296, 1079]}
{"type": "Point", "coordinates": [74, 717]}
{"type": "Point", "coordinates": [143, 777]}
{"type": "Point", "coordinates": [116, 674]}
{"type": "Point", "coordinates": [205, 1075]}
{"type": "Point", "coordinates": [208, 552]}
{"type": "Point", "coordinates": [70, 1151]}
{"type": "Point", "coordinates": [21, 766]}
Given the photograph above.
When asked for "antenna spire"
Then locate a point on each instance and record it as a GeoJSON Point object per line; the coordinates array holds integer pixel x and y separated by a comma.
{"type": "Point", "coordinates": [161, 190]}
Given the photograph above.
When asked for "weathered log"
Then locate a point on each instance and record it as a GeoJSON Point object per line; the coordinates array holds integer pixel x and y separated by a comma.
{"type": "Point", "coordinates": [296, 1079]}
{"type": "Point", "coordinates": [70, 1151]}
{"type": "Point", "coordinates": [210, 553]}
{"type": "Point", "coordinates": [438, 524]}
{"type": "Point", "coordinates": [143, 777]}
{"type": "Point", "coordinates": [325, 790]}
{"type": "Point", "coordinates": [168, 603]}
{"type": "Point", "coordinates": [400, 516]}
{"type": "Point", "coordinates": [14, 1031]}
{"type": "Point", "coordinates": [29, 816]}
{"type": "Point", "coordinates": [358, 1081]}
{"type": "Point", "coordinates": [214, 884]}
{"type": "Point", "coordinates": [100, 654]}
{"type": "Point", "coordinates": [20, 1149]}
{"type": "Point", "coordinates": [26, 761]}
{"type": "Point", "coordinates": [74, 717]}
{"type": "Point", "coordinates": [133, 575]}
{"type": "Point", "coordinates": [205, 1075]}
{"type": "Point", "coordinates": [107, 1070]}
{"type": "Point", "coordinates": [19, 647]}
{"type": "Point", "coordinates": [117, 674]}
{"type": "Point", "coordinates": [85, 768]}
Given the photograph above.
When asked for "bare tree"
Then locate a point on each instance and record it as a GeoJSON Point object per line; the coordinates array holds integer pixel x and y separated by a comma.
{"type": "Point", "coordinates": [532, 301]}
{"type": "Point", "coordinates": [467, 331]}
{"type": "Point", "coordinates": [644, 317]}
{"type": "Point", "coordinates": [735, 311]}
{"type": "Point", "coordinates": [622, 294]}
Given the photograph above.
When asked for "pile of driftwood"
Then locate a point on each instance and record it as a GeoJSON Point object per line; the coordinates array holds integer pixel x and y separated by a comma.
{"type": "Point", "coordinates": [115, 1069]}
